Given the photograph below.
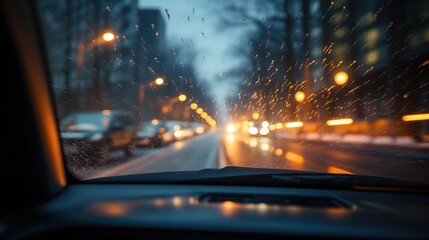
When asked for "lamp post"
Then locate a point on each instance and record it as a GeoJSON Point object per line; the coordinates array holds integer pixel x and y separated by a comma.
{"type": "Point", "coordinates": [339, 98]}
{"type": "Point", "coordinates": [341, 78]}
{"type": "Point", "coordinates": [141, 93]}
{"type": "Point", "coordinates": [300, 97]}
{"type": "Point", "coordinates": [143, 86]}
{"type": "Point", "coordinates": [80, 55]}
{"type": "Point", "coordinates": [167, 108]}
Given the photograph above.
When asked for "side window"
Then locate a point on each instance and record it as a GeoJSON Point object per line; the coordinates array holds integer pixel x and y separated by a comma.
{"type": "Point", "coordinates": [117, 122]}
{"type": "Point", "coordinates": [128, 120]}
{"type": "Point", "coordinates": [124, 120]}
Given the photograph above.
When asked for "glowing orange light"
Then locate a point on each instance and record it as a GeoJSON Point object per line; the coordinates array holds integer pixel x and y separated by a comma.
{"type": "Point", "coordinates": [199, 130]}
{"type": "Point", "coordinates": [228, 208]}
{"type": "Point", "coordinates": [155, 121]}
{"type": "Point", "coordinates": [265, 146]}
{"type": "Point", "coordinates": [299, 96]}
{"type": "Point", "coordinates": [182, 97]}
{"type": "Point", "coordinates": [255, 116]}
{"type": "Point", "coordinates": [159, 81]}
{"type": "Point", "coordinates": [177, 201]}
{"type": "Point", "coordinates": [165, 109]}
{"type": "Point", "coordinates": [253, 142]}
{"type": "Point", "coordinates": [279, 152]}
{"type": "Point", "coordinates": [296, 158]}
{"type": "Point", "coordinates": [262, 207]}
{"type": "Point", "coordinates": [158, 202]}
{"type": "Point", "coordinates": [111, 209]}
{"type": "Point", "coordinates": [415, 117]}
{"type": "Point", "coordinates": [108, 36]}
{"type": "Point", "coordinates": [338, 170]}
{"type": "Point", "coordinates": [194, 106]}
{"type": "Point", "coordinates": [341, 78]}
{"type": "Point", "coordinates": [294, 124]}
{"type": "Point", "coordinates": [106, 112]}
{"type": "Point", "coordinates": [344, 121]}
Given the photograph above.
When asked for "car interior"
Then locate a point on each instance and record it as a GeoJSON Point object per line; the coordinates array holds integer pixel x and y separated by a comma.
{"type": "Point", "coordinates": [42, 200]}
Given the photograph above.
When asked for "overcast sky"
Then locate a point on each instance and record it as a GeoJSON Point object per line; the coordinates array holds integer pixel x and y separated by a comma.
{"type": "Point", "coordinates": [195, 23]}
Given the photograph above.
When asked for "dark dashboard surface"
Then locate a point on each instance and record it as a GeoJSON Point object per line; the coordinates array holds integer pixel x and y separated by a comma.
{"type": "Point", "coordinates": [140, 211]}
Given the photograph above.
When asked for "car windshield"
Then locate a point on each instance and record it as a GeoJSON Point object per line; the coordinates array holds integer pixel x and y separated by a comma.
{"type": "Point", "coordinates": [339, 87]}
{"type": "Point", "coordinates": [85, 122]}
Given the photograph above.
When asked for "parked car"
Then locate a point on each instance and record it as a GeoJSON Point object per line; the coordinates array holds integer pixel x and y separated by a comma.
{"type": "Point", "coordinates": [150, 134]}
{"type": "Point", "coordinates": [93, 134]}
{"type": "Point", "coordinates": [181, 129]}
{"type": "Point", "coordinates": [259, 128]}
{"type": "Point", "coordinates": [216, 187]}
{"type": "Point", "coordinates": [198, 128]}
{"type": "Point", "coordinates": [167, 132]}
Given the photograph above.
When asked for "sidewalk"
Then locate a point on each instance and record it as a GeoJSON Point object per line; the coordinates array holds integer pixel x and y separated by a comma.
{"type": "Point", "coordinates": [403, 142]}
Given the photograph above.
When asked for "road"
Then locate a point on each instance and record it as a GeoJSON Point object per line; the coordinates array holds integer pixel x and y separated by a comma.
{"type": "Point", "coordinates": [195, 153]}
{"type": "Point", "coordinates": [265, 152]}
{"type": "Point", "coordinates": [217, 150]}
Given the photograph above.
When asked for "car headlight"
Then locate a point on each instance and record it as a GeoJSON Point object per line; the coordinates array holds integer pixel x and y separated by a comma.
{"type": "Point", "coordinates": [264, 131]}
{"type": "Point", "coordinates": [230, 128]}
{"type": "Point", "coordinates": [178, 133]}
{"type": "Point", "coordinates": [95, 137]}
{"type": "Point", "coordinates": [253, 130]}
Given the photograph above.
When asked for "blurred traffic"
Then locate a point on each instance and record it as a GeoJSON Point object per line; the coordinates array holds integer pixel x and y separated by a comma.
{"type": "Point", "coordinates": [278, 77]}
{"type": "Point", "coordinates": [91, 136]}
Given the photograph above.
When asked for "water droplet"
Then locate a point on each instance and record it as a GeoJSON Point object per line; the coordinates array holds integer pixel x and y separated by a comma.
{"type": "Point", "coordinates": [168, 15]}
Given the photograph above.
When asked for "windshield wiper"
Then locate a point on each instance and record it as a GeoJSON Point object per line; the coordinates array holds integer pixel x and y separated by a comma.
{"type": "Point", "coordinates": [345, 181]}
{"type": "Point", "coordinates": [269, 177]}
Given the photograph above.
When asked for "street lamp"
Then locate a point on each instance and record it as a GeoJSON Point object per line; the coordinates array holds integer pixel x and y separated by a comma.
{"type": "Point", "coordinates": [81, 50]}
{"type": "Point", "coordinates": [299, 96]}
{"type": "Point", "coordinates": [341, 78]}
{"type": "Point", "coordinates": [108, 36]}
{"type": "Point", "coordinates": [143, 86]}
{"type": "Point", "coordinates": [194, 106]}
{"type": "Point", "coordinates": [199, 110]}
{"type": "Point", "coordinates": [255, 116]}
{"type": "Point", "coordinates": [182, 97]}
{"type": "Point", "coordinates": [167, 108]}
{"type": "Point", "coordinates": [141, 93]}
{"type": "Point", "coordinates": [159, 81]}
{"type": "Point", "coordinates": [204, 115]}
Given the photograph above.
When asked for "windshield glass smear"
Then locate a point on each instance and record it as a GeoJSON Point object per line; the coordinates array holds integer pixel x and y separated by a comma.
{"type": "Point", "coordinates": [151, 86]}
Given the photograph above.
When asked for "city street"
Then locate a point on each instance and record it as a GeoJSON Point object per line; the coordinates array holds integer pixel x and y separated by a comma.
{"type": "Point", "coordinates": [195, 153]}
{"type": "Point", "coordinates": [217, 150]}
{"type": "Point", "coordinates": [265, 152]}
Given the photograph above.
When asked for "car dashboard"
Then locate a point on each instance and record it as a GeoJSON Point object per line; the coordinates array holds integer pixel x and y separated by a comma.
{"type": "Point", "coordinates": [154, 211]}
